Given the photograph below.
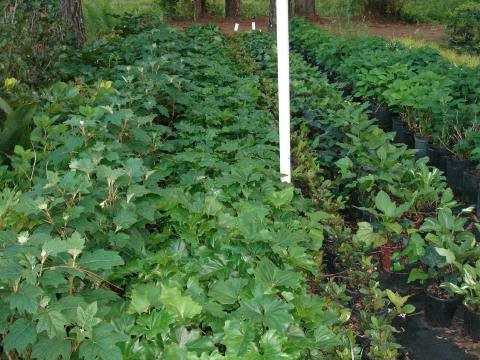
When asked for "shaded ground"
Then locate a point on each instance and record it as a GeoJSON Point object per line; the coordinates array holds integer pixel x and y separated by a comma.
{"type": "Point", "coordinates": [425, 342]}
{"type": "Point", "coordinates": [384, 28]}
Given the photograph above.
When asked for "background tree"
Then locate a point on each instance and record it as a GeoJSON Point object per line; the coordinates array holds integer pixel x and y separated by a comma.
{"type": "Point", "coordinates": [305, 7]}
{"type": "Point", "coordinates": [199, 9]}
{"type": "Point", "coordinates": [232, 8]}
{"type": "Point", "coordinates": [72, 17]}
{"type": "Point", "coordinates": [272, 16]}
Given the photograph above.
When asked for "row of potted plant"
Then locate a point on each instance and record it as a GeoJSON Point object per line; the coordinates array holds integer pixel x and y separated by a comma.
{"type": "Point", "coordinates": [431, 104]}
{"type": "Point", "coordinates": [407, 211]}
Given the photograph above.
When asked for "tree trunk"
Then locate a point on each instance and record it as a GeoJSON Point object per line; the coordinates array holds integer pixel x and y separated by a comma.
{"type": "Point", "coordinates": [305, 7]}
{"type": "Point", "coordinates": [232, 8]}
{"type": "Point", "coordinates": [72, 17]}
{"type": "Point", "coordinates": [199, 9]}
{"type": "Point", "coordinates": [272, 16]}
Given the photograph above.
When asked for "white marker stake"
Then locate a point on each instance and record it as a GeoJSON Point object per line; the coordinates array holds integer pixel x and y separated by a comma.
{"type": "Point", "coordinates": [283, 89]}
{"type": "Point", "coordinates": [253, 26]}
{"type": "Point", "coordinates": [236, 27]}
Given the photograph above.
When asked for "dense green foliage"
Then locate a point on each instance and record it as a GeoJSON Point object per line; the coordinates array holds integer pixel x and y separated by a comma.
{"type": "Point", "coordinates": [148, 220]}
{"type": "Point", "coordinates": [434, 97]}
{"type": "Point", "coordinates": [143, 217]}
{"type": "Point", "coordinates": [32, 39]}
{"type": "Point", "coordinates": [464, 26]}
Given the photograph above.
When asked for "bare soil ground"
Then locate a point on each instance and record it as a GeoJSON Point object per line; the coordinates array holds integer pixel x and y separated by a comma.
{"type": "Point", "coordinates": [379, 27]}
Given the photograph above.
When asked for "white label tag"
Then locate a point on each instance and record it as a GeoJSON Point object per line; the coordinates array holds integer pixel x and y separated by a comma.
{"type": "Point", "coordinates": [236, 27]}
{"type": "Point", "coordinates": [254, 26]}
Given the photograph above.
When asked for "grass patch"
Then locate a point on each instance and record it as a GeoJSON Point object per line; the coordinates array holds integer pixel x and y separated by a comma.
{"type": "Point", "coordinates": [97, 18]}
{"type": "Point", "coordinates": [469, 60]}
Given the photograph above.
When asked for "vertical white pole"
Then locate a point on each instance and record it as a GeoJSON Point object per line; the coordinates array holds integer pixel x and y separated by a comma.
{"type": "Point", "coordinates": [284, 88]}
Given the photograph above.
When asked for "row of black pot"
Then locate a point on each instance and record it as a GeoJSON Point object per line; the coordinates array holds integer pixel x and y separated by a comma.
{"type": "Point", "coordinates": [461, 175]}
{"type": "Point", "coordinates": [439, 312]}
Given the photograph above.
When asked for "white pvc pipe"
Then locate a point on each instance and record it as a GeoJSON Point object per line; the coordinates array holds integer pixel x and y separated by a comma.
{"type": "Point", "coordinates": [284, 89]}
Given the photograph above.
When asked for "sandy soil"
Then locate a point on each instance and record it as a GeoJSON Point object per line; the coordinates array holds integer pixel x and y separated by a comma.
{"type": "Point", "coordinates": [384, 28]}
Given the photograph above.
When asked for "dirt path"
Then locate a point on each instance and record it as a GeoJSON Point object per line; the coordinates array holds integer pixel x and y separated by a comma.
{"type": "Point", "coordinates": [387, 29]}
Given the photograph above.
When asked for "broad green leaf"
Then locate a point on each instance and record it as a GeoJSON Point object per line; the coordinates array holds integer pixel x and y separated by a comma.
{"type": "Point", "coordinates": [238, 337]}
{"type": "Point", "coordinates": [281, 198]}
{"type": "Point", "coordinates": [100, 260]}
{"type": "Point", "coordinates": [102, 345]}
{"type": "Point", "coordinates": [326, 339]}
{"type": "Point", "coordinates": [49, 349]}
{"type": "Point", "coordinates": [144, 297]}
{"type": "Point", "coordinates": [397, 299]}
{"type": "Point", "coordinates": [16, 124]}
{"type": "Point", "coordinates": [385, 205]}
{"type": "Point", "coordinates": [53, 322]}
{"type": "Point", "coordinates": [155, 324]}
{"type": "Point", "coordinates": [270, 348]}
{"type": "Point", "coordinates": [176, 352]}
{"type": "Point", "coordinates": [267, 310]}
{"type": "Point", "coordinates": [227, 292]}
{"type": "Point", "coordinates": [417, 274]}
{"type": "Point", "coordinates": [5, 107]}
{"type": "Point", "coordinates": [54, 246]}
{"type": "Point", "coordinates": [86, 316]}
{"type": "Point", "coordinates": [125, 218]}
{"type": "Point", "coordinates": [365, 235]}
{"type": "Point", "coordinates": [268, 274]}
{"type": "Point", "coordinates": [445, 218]}
{"type": "Point", "coordinates": [212, 206]}
{"type": "Point", "coordinates": [26, 299]}
{"type": "Point", "coordinates": [75, 244]}
{"type": "Point", "coordinates": [180, 305]}
{"type": "Point", "coordinates": [447, 253]}
{"type": "Point", "coordinates": [21, 334]}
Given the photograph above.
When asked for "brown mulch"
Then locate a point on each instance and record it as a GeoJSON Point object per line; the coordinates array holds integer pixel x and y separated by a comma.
{"type": "Point", "coordinates": [379, 27]}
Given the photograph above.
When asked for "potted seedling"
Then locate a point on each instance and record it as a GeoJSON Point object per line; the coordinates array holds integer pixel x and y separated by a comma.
{"type": "Point", "coordinates": [374, 300]}
{"type": "Point", "coordinates": [463, 142]}
{"type": "Point", "coordinates": [360, 274]}
{"type": "Point", "coordinates": [469, 289]}
{"type": "Point", "coordinates": [382, 340]}
{"type": "Point", "coordinates": [388, 237]}
{"type": "Point", "coordinates": [448, 247]}
{"type": "Point", "coordinates": [401, 309]}
{"type": "Point", "coordinates": [370, 84]}
{"type": "Point", "coordinates": [401, 97]}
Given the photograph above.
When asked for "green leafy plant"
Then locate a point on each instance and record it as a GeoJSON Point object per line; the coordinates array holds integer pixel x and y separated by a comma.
{"type": "Point", "coordinates": [469, 287]}
{"type": "Point", "coordinates": [448, 247]}
{"type": "Point", "coordinates": [464, 26]}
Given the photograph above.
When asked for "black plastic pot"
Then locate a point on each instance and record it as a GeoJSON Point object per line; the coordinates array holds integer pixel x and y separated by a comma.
{"type": "Point", "coordinates": [471, 182]}
{"type": "Point", "coordinates": [383, 115]}
{"type": "Point", "coordinates": [442, 164]}
{"type": "Point", "coordinates": [421, 144]}
{"type": "Point", "coordinates": [439, 312]}
{"type": "Point", "coordinates": [409, 139]}
{"type": "Point", "coordinates": [395, 280]}
{"type": "Point", "coordinates": [398, 126]}
{"type": "Point", "coordinates": [435, 154]}
{"type": "Point", "coordinates": [455, 170]}
{"type": "Point", "coordinates": [471, 323]}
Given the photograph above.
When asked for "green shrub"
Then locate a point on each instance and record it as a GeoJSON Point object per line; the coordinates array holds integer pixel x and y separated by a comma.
{"type": "Point", "coordinates": [464, 26]}
{"type": "Point", "coordinates": [31, 40]}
